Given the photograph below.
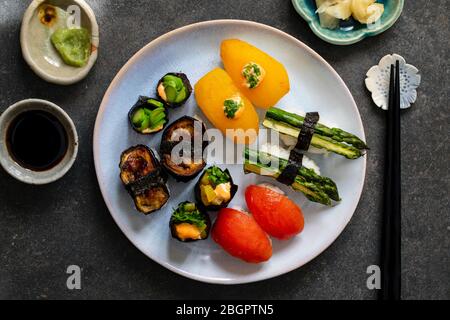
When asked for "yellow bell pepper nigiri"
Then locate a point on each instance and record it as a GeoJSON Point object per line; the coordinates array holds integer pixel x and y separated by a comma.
{"type": "Point", "coordinates": [261, 78]}
{"type": "Point", "coordinates": [226, 107]}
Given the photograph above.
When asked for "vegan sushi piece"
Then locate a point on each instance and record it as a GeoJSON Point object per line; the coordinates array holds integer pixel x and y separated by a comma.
{"type": "Point", "coordinates": [148, 115]}
{"type": "Point", "coordinates": [152, 198]}
{"type": "Point", "coordinates": [215, 189]}
{"type": "Point", "coordinates": [144, 179]}
{"type": "Point", "coordinates": [188, 223]}
{"type": "Point", "coordinates": [277, 215]}
{"type": "Point", "coordinates": [331, 139]}
{"type": "Point", "coordinates": [226, 107]}
{"type": "Point", "coordinates": [239, 234]}
{"type": "Point", "coordinates": [260, 77]}
{"type": "Point", "coordinates": [182, 147]}
{"type": "Point", "coordinates": [315, 187]}
{"type": "Point", "coordinates": [174, 89]}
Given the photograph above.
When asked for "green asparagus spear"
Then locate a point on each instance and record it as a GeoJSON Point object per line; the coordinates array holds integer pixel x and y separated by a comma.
{"type": "Point", "coordinates": [316, 188]}
{"type": "Point", "coordinates": [309, 175]}
{"type": "Point", "coordinates": [336, 134]}
{"type": "Point", "coordinates": [318, 141]}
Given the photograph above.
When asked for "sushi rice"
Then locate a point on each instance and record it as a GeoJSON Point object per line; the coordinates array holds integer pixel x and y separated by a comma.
{"type": "Point", "coordinates": [285, 153]}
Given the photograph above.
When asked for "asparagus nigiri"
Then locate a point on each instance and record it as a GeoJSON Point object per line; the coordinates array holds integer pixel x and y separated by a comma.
{"type": "Point", "coordinates": [331, 139]}
{"type": "Point", "coordinates": [314, 186]}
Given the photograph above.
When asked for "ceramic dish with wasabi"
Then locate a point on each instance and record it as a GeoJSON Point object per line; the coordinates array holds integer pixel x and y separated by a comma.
{"type": "Point", "coordinates": [344, 22]}
{"type": "Point", "coordinates": [60, 39]}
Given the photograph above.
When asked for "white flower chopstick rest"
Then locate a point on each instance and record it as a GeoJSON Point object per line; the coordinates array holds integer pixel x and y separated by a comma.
{"type": "Point", "coordinates": [377, 81]}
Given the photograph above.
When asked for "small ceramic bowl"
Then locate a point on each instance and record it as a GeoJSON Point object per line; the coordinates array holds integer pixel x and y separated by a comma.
{"type": "Point", "coordinates": [26, 175]}
{"type": "Point", "coordinates": [37, 49]}
{"type": "Point", "coordinates": [307, 10]}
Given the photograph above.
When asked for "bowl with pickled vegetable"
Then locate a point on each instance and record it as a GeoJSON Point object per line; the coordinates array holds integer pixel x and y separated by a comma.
{"type": "Point", "coordinates": [344, 22]}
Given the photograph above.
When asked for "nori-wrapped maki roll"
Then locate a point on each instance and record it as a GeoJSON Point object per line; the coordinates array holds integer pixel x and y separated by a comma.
{"type": "Point", "coordinates": [144, 179]}
{"type": "Point", "coordinates": [182, 148]}
{"type": "Point", "coordinates": [152, 199]}
{"type": "Point", "coordinates": [148, 115]}
{"type": "Point", "coordinates": [215, 189]}
{"type": "Point", "coordinates": [174, 89]}
{"type": "Point", "coordinates": [189, 223]}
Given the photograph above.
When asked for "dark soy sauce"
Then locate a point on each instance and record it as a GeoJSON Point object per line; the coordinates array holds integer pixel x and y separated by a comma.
{"type": "Point", "coordinates": [37, 140]}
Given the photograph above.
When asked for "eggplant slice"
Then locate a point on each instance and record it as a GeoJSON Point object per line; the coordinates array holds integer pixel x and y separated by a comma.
{"type": "Point", "coordinates": [144, 179]}
{"type": "Point", "coordinates": [181, 135]}
{"type": "Point", "coordinates": [174, 89]}
{"type": "Point", "coordinates": [152, 199]}
{"type": "Point", "coordinates": [189, 223]}
{"type": "Point", "coordinates": [148, 115]}
{"type": "Point", "coordinates": [205, 189]}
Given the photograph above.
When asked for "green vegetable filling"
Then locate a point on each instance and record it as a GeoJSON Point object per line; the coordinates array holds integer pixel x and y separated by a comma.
{"type": "Point", "coordinates": [188, 213]}
{"type": "Point", "coordinates": [73, 45]}
{"type": "Point", "coordinates": [252, 73]}
{"type": "Point", "coordinates": [231, 106]}
{"type": "Point", "coordinates": [176, 91]}
{"type": "Point", "coordinates": [216, 176]}
{"type": "Point", "coordinates": [147, 120]}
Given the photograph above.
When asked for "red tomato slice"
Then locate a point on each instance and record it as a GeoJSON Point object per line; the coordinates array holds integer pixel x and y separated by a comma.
{"type": "Point", "coordinates": [275, 213]}
{"type": "Point", "coordinates": [239, 235]}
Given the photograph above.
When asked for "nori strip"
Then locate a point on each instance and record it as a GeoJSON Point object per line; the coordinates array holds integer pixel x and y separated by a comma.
{"type": "Point", "coordinates": [289, 174]}
{"type": "Point", "coordinates": [307, 132]}
{"type": "Point", "coordinates": [153, 179]}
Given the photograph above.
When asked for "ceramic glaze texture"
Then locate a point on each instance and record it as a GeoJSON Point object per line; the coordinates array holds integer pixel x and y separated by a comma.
{"type": "Point", "coordinates": [307, 10]}
{"type": "Point", "coordinates": [378, 77]}
{"type": "Point", "coordinates": [206, 261]}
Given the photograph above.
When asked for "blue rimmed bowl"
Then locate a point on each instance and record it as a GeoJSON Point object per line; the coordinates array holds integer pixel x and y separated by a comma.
{"type": "Point", "coordinates": [307, 9]}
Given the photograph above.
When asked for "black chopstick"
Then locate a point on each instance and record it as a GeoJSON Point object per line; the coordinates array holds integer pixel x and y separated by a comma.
{"type": "Point", "coordinates": [391, 238]}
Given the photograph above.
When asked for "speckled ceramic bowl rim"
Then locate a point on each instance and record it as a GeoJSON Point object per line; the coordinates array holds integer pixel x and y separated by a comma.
{"type": "Point", "coordinates": [387, 24]}
{"type": "Point", "coordinates": [25, 175]}
{"type": "Point", "coordinates": [95, 41]}
{"type": "Point", "coordinates": [167, 37]}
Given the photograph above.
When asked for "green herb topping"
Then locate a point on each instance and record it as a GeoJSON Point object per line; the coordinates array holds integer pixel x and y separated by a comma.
{"type": "Point", "coordinates": [216, 176]}
{"type": "Point", "coordinates": [188, 213]}
{"type": "Point", "coordinates": [232, 106]}
{"type": "Point", "coordinates": [253, 74]}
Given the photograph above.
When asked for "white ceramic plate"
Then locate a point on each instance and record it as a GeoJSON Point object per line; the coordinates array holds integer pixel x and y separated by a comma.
{"type": "Point", "coordinates": [194, 50]}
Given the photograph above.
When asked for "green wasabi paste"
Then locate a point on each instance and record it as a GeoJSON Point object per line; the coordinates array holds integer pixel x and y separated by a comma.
{"type": "Point", "coordinates": [73, 45]}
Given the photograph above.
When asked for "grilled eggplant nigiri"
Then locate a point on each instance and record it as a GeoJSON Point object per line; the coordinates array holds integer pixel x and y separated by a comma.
{"type": "Point", "coordinates": [140, 172]}
{"type": "Point", "coordinates": [182, 147]}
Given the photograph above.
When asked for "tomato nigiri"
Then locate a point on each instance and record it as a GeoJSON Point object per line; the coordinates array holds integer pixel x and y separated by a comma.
{"type": "Point", "coordinates": [277, 215]}
{"type": "Point", "coordinates": [238, 234]}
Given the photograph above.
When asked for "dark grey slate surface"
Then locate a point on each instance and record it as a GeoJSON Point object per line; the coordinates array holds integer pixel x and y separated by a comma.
{"type": "Point", "coordinates": [45, 229]}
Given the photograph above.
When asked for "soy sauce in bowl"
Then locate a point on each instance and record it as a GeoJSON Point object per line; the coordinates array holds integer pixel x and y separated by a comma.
{"type": "Point", "coordinates": [37, 140]}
